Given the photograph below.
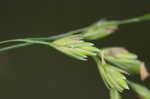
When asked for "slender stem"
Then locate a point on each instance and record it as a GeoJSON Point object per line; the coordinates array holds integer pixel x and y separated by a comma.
{"type": "Point", "coordinates": [14, 46]}
{"type": "Point", "coordinates": [137, 19]}
{"type": "Point", "coordinates": [28, 42]}
{"type": "Point", "coordinates": [60, 35]}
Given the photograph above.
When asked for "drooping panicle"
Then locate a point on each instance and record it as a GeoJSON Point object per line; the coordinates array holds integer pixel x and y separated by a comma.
{"type": "Point", "coordinates": [123, 59]}
{"type": "Point", "coordinates": [113, 77]}
{"type": "Point", "coordinates": [100, 29]}
{"type": "Point", "coordinates": [75, 47]}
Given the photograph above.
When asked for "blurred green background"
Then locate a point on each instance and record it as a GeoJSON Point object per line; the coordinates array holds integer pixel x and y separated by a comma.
{"type": "Point", "coordinates": [39, 72]}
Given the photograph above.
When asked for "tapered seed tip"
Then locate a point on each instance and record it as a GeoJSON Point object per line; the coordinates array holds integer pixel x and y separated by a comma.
{"type": "Point", "coordinates": [143, 72]}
